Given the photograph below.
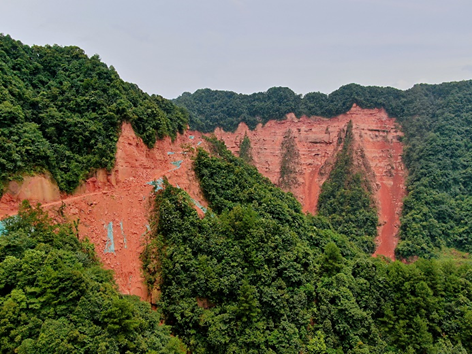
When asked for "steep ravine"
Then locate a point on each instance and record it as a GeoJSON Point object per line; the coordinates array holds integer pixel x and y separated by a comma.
{"type": "Point", "coordinates": [112, 207]}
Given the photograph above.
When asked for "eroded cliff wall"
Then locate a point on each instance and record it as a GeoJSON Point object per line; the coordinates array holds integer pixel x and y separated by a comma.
{"type": "Point", "coordinates": [377, 147]}
{"type": "Point", "coordinates": [113, 206]}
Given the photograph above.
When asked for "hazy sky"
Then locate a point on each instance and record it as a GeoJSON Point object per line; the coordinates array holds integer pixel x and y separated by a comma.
{"type": "Point", "coordinates": [168, 47]}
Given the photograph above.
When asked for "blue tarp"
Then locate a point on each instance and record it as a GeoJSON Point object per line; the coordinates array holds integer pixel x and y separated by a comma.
{"type": "Point", "coordinates": [2, 229]}
{"type": "Point", "coordinates": [201, 207]}
{"type": "Point", "coordinates": [178, 164]}
{"type": "Point", "coordinates": [123, 234]}
{"type": "Point", "coordinates": [110, 246]}
{"type": "Point", "coordinates": [157, 184]}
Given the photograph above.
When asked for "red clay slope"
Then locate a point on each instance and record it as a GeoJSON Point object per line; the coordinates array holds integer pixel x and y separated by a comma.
{"type": "Point", "coordinates": [113, 207]}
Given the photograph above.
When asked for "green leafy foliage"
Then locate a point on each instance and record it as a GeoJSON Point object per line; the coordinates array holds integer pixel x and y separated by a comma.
{"type": "Point", "coordinates": [55, 297]}
{"type": "Point", "coordinates": [245, 150]}
{"type": "Point", "coordinates": [257, 275]}
{"type": "Point", "coordinates": [211, 108]}
{"type": "Point", "coordinates": [439, 158]}
{"type": "Point", "coordinates": [238, 280]}
{"type": "Point", "coordinates": [61, 111]}
{"type": "Point", "coordinates": [345, 198]}
{"type": "Point", "coordinates": [399, 308]}
{"type": "Point", "coordinates": [437, 123]}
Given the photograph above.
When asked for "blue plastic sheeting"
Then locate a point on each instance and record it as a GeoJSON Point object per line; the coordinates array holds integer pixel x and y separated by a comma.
{"type": "Point", "coordinates": [199, 143]}
{"type": "Point", "coordinates": [178, 164]}
{"type": "Point", "coordinates": [199, 206]}
{"type": "Point", "coordinates": [157, 184]}
{"type": "Point", "coordinates": [2, 229]}
{"type": "Point", "coordinates": [170, 153]}
{"type": "Point", "coordinates": [192, 137]}
{"type": "Point", "coordinates": [148, 229]}
{"type": "Point", "coordinates": [123, 234]}
{"type": "Point", "coordinates": [110, 246]}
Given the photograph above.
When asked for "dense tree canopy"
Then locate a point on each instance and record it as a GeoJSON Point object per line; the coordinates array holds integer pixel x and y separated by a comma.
{"type": "Point", "coordinates": [256, 275]}
{"type": "Point", "coordinates": [61, 111]}
{"type": "Point", "coordinates": [345, 198]}
{"type": "Point", "coordinates": [55, 297]}
{"type": "Point", "coordinates": [212, 108]}
{"type": "Point", "coordinates": [436, 120]}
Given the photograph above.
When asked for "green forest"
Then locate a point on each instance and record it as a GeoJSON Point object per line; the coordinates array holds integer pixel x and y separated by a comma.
{"type": "Point", "coordinates": [436, 121]}
{"type": "Point", "coordinates": [346, 200]}
{"type": "Point", "coordinates": [255, 274]}
{"type": "Point", "coordinates": [61, 112]}
{"type": "Point", "coordinates": [56, 297]}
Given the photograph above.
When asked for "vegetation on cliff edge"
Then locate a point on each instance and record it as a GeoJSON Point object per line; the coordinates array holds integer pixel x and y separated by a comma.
{"type": "Point", "coordinates": [55, 296]}
{"type": "Point", "coordinates": [256, 275]}
{"type": "Point", "coordinates": [61, 111]}
{"type": "Point", "coordinates": [345, 198]}
{"type": "Point", "coordinates": [436, 120]}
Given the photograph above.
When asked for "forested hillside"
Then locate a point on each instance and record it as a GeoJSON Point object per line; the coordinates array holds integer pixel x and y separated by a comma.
{"type": "Point", "coordinates": [436, 120]}
{"type": "Point", "coordinates": [256, 275]}
{"type": "Point", "coordinates": [55, 296]}
{"type": "Point", "coordinates": [61, 111]}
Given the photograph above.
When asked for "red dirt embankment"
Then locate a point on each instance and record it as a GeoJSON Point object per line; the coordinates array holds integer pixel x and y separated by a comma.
{"type": "Point", "coordinates": [113, 207]}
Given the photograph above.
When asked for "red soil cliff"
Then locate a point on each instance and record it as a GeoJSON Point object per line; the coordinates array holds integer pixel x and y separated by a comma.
{"type": "Point", "coordinates": [377, 141]}
{"type": "Point", "coordinates": [113, 207]}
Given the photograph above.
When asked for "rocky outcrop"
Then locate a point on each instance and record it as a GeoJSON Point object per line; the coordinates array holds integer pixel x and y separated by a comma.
{"type": "Point", "coordinates": [112, 206]}
{"type": "Point", "coordinates": [39, 188]}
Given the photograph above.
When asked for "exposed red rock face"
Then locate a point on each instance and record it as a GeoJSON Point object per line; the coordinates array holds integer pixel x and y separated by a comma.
{"type": "Point", "coordinates": [377, 147]}
{"type": "Point", "coordinates": [113, 207]}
